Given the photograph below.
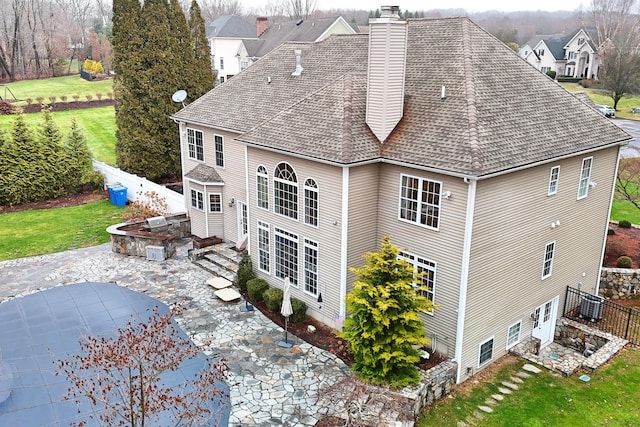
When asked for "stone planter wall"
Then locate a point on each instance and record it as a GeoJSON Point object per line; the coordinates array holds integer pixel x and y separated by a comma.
{"type": "Point", "coordinates": [133, 238]}
{"type": "Point", "coordinates": [436, 383]}
{"type": "Point", "coordinates": [579, 339]}
{"type": "Point", "coordinates": [620, 283]}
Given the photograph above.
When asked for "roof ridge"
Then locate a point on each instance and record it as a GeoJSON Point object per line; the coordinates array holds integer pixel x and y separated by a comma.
{"type": "Point", "coordinates": [470, 89]}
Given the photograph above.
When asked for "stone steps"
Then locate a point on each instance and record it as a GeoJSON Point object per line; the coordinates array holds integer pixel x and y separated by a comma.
{"type": "Point", "coordinates": [220, 260]}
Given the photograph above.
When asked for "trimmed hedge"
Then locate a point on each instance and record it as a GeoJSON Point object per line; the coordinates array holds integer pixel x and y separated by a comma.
{"type": "Point", "coordinates": [299, 310]}
{"type": "Point", "coordinates": [245, 273]}
{"type": "Point", "coordinates": [624, 262]}
{"type": "Point", "coordinates": [256, 289]}
{"type": "Point", "coordinates": [625, 224]}
{"type": "Point", "coordinates": [273, 299]}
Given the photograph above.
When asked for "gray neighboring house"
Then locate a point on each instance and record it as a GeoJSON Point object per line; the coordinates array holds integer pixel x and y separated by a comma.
{"type": "Point", "coordinates": [430, 131]}
{"type": "Point", "coordinates": [225, 36]}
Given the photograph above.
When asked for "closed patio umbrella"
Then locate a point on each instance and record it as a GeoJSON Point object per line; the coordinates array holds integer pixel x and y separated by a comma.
{"type": "Point", "coordinates": [286, 311]}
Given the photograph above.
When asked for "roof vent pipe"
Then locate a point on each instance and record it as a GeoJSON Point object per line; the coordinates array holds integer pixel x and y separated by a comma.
{"type": "Point", "coordinates": [299, 68]}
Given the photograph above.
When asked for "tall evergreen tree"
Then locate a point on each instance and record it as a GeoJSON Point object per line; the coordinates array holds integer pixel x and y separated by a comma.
{"type": "Point", "coordinates": [202, 52]}
{"type": "Point", "coordinates": [77, 158]}
{"type": "Point", "coordinates": [52, 168]}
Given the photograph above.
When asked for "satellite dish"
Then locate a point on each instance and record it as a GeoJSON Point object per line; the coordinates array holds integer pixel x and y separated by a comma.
{"type": "Point", "coordinates": [179, 96]}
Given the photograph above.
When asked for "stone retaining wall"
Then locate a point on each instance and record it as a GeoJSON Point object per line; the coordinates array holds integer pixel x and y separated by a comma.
{"type": "Point", "coordinates": [436, 383]}
{"type": "Point", "coordinates": [620, 283]}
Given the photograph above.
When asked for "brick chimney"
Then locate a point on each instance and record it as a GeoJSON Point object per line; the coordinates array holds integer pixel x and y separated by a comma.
{"type": "Point", "coordinates": [386, 71]}
{"type": "Point", "coordinates": [261, 25]}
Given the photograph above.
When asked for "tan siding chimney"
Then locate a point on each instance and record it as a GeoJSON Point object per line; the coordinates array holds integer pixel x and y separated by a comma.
{"type": "Point", "coordinates": [261, 25]}
{"type": "Point", "coordinates": [385, 82]}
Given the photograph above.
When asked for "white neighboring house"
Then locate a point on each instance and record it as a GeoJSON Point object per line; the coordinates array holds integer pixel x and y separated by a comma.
{"type": "Point", "coordinates": [225, 36]}
{"type": "Point", "coordinates": [574, 55]}
{"type": "Point", "coordinates": [582, 56]}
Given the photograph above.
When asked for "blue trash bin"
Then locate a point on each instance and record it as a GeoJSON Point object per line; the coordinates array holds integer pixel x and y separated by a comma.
{"type": "Point", "coordinates": [120, 196]}
{"type": "Point", "coordinates": [110, 187]}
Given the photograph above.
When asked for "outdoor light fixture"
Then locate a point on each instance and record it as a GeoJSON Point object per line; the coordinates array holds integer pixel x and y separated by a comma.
{"type": "Point", "coordinates": [232, 202]}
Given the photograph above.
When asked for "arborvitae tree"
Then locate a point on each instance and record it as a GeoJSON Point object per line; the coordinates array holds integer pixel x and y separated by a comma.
{"type": "Point", "coordinates": [52, 170]}
{"type": "Point", "coordinates": [78, 158]}
{"type": "Point", "coordinates": [383, 327]}
{"type": "Point", "coordinates": [202, 52]}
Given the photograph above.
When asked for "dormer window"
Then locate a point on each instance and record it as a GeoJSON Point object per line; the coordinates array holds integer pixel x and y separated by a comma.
{"type": "Point", "coordinates": [581, 40]}
{"type": "Point", "coordinates": [540, 52]}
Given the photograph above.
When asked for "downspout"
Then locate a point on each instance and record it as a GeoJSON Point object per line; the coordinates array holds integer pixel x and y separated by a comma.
{"type": "Point", "coordinates": [246, 196]}
{"type": "Point", "coordinates": [182, 130]}
{"type": "Point", "coordinates": [604, 240]}
{"type": "Point", "coordinates": [343, 245]}
{"type": "Point", "coordinates": [464, 272]}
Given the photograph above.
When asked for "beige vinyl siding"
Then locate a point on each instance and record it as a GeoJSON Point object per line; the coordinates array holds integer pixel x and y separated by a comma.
{"type": "Point", "coordinates": [512, 226]}
{"type": "Point", "coordinates": [444, 247]}
{"type": "Point", "coordinates": [189, 163]}
{"type": "Point", "coordinates": [363, 216]}
{"type": "Point", "coordinates": [385, 93]}
{"type": "Point", "coordinates": [198, 225]}
{"type": "Point", "coordinates": [326, 234]}
{"type": "Point", "coordinates": [216, 219]}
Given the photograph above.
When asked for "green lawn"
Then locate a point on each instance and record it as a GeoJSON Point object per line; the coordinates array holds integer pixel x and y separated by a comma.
{"type": "Point", "coordinates": [600, 97]}
{"type": "Point", "coordinates": [97, 124]}
{"type": "Point", "coordinates": [611, 398]}
{"type": "Point", "coordinates": [57, 86]}
{"type": "Point", "coordinates": [38, 232]}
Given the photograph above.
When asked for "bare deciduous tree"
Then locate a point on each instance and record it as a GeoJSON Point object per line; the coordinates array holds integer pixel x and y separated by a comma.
{"type": "Point", "coordinates": [628, 181]}
{"type": "Point", "coordinates": [211, 9]}
{"type": "Point", "coordinates": [121, 376]}
{"type": "Point", "coordinates": [300, 9]}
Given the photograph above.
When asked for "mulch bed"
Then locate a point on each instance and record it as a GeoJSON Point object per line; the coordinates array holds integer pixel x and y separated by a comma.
{"type": "Point", "coordinates": [64, 106]}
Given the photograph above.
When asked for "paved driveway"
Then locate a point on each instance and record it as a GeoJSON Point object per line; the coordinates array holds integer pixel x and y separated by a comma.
{"type": "Point", "coordinates": [45, 326]}
{"type": "Point", "coordinates": [632, 127]}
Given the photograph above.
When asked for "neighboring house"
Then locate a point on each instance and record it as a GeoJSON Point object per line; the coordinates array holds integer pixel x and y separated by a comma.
{"type": "Point", "coordinates": [236, 44]}
{"type": "Point", "coordinates": [421, 130]}
{"type": "Point", "coordinates": [574, 55]}
{"type": "Point", "coordinates": [225, 36]}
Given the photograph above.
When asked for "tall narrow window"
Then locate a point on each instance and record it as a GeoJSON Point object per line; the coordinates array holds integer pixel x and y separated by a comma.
{"type": "Point", "coordinates": [262, 187]}
{"type": "Point", "coordinates": [547, 267]}
{"type": "Point", "coordinates": [196, 146]}
{"type": "Point", "coordinates": [311, 202]}
{"type": "Point", "coordinates": [222, 63]}
{"type": "Point", "coordinates": [285, 191]}
{"type": "Point", "coordinates": [197, 199]}
{"type": "Point", "coordinates": [219, 145]}
{"type": "Point", "coordinates": [311, 267]}
{"type": "Point", "coordinates": [553, 180]}
{"type": "Point", "coordinates": [286, 245]}
{"type": "Point", "coordinates": [585, 176]}
{"type": "Point", "coordinates": [215, 202]}
{"type": "Point", "coordinates": [264, 252]}
{"type": "Point", "coordinates": [486, 352]}
{"type": "Point", "coordinates": [513, 334]}
{"type": "Point", "coordinates": [420, 201]}
{"type": "Point", "coordinates": [427, 269]}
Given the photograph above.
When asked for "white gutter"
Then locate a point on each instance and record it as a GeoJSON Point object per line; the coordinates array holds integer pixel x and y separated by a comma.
{"type": "Point", "coordinates": [464, 273]}
{"type": "Point", "coordinates": [343, 241]}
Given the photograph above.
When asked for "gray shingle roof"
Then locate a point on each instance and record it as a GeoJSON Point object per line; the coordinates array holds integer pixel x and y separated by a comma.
{"type": "Point", "coordinates": [204, 174]}
{"type": "Point", "coordinates": [230, 26]}
{"type": "Point", "coordinates": [499, 114]}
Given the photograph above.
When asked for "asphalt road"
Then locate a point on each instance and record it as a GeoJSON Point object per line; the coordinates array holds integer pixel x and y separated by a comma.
{"type": "Point", "coordinates": [633, 128]}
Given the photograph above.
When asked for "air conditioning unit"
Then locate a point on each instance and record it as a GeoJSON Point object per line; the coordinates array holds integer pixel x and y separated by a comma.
{"type": "Point", "coordinates": [591, 307]}
{"type": "Point", "coordinates": [155, 253]}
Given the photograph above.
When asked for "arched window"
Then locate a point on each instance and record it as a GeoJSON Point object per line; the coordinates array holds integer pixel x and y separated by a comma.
{"type": "Point", "coordinates": [285, 191]}
{"type": "Point", "coordinates": [262, 187]}
{"type": "Point", "coordinates": [311, 202]}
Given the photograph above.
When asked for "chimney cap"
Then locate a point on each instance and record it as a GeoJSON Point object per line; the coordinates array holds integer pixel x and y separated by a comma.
{"type": "Point", "coordinates": [390, 11]}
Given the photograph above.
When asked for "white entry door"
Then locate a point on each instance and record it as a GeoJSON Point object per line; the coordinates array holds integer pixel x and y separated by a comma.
{"type": "Point", "coordinates": [243, 223]}
{"type": "Point", "coordinates": [544, 322]}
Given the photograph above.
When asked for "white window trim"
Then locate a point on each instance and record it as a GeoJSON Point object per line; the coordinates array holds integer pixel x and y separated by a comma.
{"type": "Point", "coordinates": [311, 244]}
{"type": "Point", "coordinates": [486, 362]}
{"type": "Point", "coordinates": [209, 202]}
{"type": "Point", "coordinates": [544, 259]}
{"type": "Point", "coordinates": [294, 281]}
{"type": "Point", "coordinates": [415, 263]}
{"type": "Point", "coordinates": [315, 190]}
{"type": "Point", "coordinates": [193, 190]}
{"type": "Point", "coordinates": [517, 341]}
{"type": "Point", "coordinates": [264, 226]}
{"type": "Point", "coordinates": [419, 201]}
{"type": "Point", "coordinates": [553, 183]}
{"type": "Point", "coordinates": [586, 179]}
{"type": "Point", "coordinates": [215, 151]}
{"type": "Point", "coordinates": [195, 146]}
{"type": "Point", "coordinates": [295, 184]}
{"type": "Point", "coordinates": [266, 176]}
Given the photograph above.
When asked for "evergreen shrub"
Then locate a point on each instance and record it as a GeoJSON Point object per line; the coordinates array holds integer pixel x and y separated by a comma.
{"type": "Point", "coordinates": [624, 262]}
{"type": "Point", "coordinates": [256, 289]}
{"type": "Point", "coordinates": [625, 224]}
{"type": "Point", "coordinates": [245, 273]}
{"type": "Point", "coordinates": [299, 310]}
{"type": "Point", "coordinates": [273, 299]}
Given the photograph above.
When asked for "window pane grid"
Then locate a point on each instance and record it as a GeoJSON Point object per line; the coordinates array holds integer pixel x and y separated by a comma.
{"type": "Point", "coordinates": [553, 180]}
{"type": "Point", "coordinates": [427, 269]}
{"type": "Point", "coordinates": [423, 196]}
{"type": "Point", "coordinates": [264, 254]}
{"type": "Point", "coordinates": [215, 203]}
{"type": "Point", "coordinates": [585, 175]}
{"type": "Point", "coordinates": [286, 245]}
{"type": "Point", "coordinates": [311, 267]}
{"type": "Point", "coordinates": [285, 191]}
{"type": "Point", "coordinates": [486, 352]}
{"type": "Point", "coordinates": [513, 335]}
{"type": "Point", "coordinates": [195, 144]}
{"type": "Point", "coordinates": [262, 186]}
{"type": "Point", "coordinates": [311, 202]}
{"type": "Point", "coordinates": [548, 260]}
{"type": "Point", "coordinates": [197, 199]}
{"type": "Point", "coordinates": [219, 146]}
